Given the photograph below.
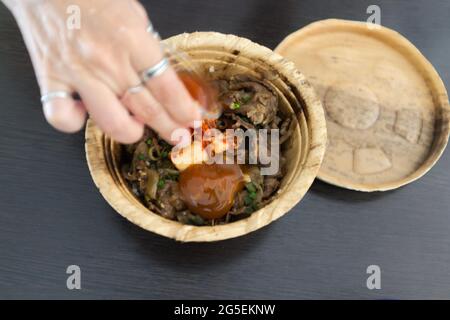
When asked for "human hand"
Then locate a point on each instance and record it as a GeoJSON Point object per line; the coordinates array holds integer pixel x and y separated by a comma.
{"type": "Point", "coordinates": [100, 61]}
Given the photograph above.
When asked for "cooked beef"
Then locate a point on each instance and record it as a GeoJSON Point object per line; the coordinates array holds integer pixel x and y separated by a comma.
{"type": "Point", "coordinates": [170, 199]}
{"type": "Point", "coordinates": [249, 97]}
{"type": "Point", "coordinates": [240, 122]}
{"type": "Point", "coordinates": [271, 184]}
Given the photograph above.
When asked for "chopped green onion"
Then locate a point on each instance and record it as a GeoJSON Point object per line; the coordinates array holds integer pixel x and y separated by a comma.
{"type": "Point", "coordinates": [141, 156]}
{"type": "Point", "coordinates": [196, 220]}
{"type": "Point", "coordinates": [252, 195]}
{"type": "Point", "coordinates": [164, 154]}
{"type": "Point", "coordinates": [149, 141]}
{"type": "Point", "coordinates": [153, 154]}
{"type": "Point", "coordinates": [248, 200]}
{"type": "Point", "coordinates": [250, 187]}
{"type": "Point", "coordinates": [161, 183]}
{"type": "Point", "coordinates": [235, 105]}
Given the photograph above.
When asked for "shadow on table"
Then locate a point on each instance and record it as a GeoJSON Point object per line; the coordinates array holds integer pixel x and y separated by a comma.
{"type": "Point", "coordinates": [188, 256]}
{"type": "Point", "coordinates": [325, 190]}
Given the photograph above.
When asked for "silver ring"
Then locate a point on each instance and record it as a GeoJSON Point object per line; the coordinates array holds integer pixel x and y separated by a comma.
{"type": "Point", "coordinates": [55, 94]}
{"type": "Point", "coordinates": [135, 89]}
{"type": "Point", "coordinates": [155, 71]}
{"type": "Point", "coordinates": [132, 90]}
{"type": "Point", "coordinates": [150, 29]}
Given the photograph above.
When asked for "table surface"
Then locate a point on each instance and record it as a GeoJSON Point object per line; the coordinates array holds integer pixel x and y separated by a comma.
{"type": "Point", "coordinates": [52, 215]}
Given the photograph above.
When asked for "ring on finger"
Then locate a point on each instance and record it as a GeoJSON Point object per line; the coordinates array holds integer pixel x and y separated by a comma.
{"type": "Point", "coordinates": [152, 31]}
{"type": "Point", "coordinates": [56, 95]}
{"type": "Point", "coordinates": [132, 90]}
{"type": "Point", "coordinates": [155, 70]}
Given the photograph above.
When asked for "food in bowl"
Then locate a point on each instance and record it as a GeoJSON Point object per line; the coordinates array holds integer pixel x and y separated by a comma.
{"type": "Point", "coordinates": [221, 56]}
{"type": "Point", "coordinates": [188, 184]}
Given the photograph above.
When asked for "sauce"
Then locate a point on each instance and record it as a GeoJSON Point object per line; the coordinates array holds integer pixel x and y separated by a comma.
{"type": "Point", "coordinates": [209, 189]}
{"type": "Point", "coordinates": [202, 92]}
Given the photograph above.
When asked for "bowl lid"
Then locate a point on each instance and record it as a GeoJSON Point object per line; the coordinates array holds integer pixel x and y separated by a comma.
{"type": "Point", "coordinates": [387, 109]}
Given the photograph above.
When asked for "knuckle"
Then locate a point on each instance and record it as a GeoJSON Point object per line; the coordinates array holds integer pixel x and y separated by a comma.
{"type": "Point", "coordinates": [151, 111]}
{"type": "Point", "coordinates": [92, 54]}
{"type": "Point", "coordinates": [143, 106]}
{"type": "Point", "coordinates": [88, 49]}
{"type": "Point", "coordinates": [126, 35]}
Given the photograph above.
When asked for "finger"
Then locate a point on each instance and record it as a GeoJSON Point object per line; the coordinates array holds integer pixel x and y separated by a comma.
{"type": "Point", "coordinates": [147, 110]}
{"type": "Point", "coordinates": [109, 113]}
{"type": "Point", "coordinates": [64, 114]}
{"type": "Point", "coordinates": [166, 87]}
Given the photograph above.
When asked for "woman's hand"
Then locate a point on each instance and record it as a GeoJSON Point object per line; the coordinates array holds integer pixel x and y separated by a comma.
{"type": "Point", "coordinates": [100, 61]}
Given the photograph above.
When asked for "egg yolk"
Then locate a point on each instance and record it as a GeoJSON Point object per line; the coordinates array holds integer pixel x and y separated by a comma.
{"type": "Point", "coordinates": [209, 189]}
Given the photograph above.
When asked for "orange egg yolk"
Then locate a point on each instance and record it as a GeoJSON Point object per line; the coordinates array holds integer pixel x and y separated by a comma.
{"type": "Point", "coordinates": [209, 189]}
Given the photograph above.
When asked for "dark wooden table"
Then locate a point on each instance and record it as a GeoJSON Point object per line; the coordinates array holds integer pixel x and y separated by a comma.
{"type": "Point", "coordinates": [52, 216]}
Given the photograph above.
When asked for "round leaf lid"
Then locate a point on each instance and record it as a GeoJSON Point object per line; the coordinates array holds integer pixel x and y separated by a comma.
{"type": "Point", "coordinates": [387, 109]}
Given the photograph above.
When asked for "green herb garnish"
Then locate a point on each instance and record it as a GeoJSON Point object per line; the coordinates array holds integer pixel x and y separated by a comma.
{"type": "Point", "coordinates": [252, 208]}
{"type": "Point", "coordinates": [149, 141]}
{"type": "Point", "coordinates": [196, 220]}
{"type": "Point", "coordinates": [250, 187]}
{"type": "Point", "coordinates": [235, 106]}
{"type": "Point", "coordinates": [252, 195]}
{"type": "Point", "coordinates": [248, 200]}
{"type": "Point", "coordinates": [161, 183]}
{"type": "Point", "coordinates": [164, 154]}
{"type": "Point", "coordinates": [141, 156]}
